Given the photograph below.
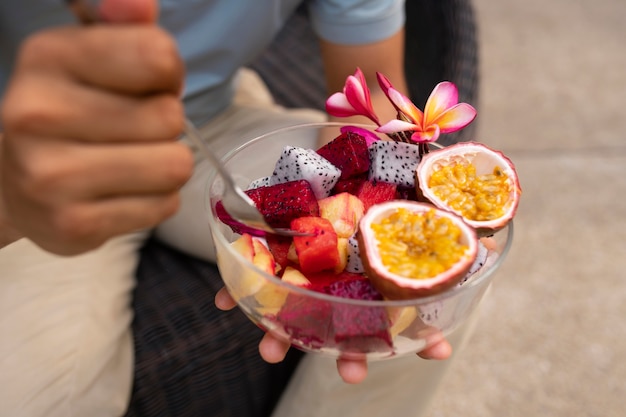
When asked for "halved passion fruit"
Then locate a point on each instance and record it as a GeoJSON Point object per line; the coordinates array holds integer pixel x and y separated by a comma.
{"type": "Point", "coordinates": [473, 181]}
{"type": "Point", "coordinates": [412, 249]}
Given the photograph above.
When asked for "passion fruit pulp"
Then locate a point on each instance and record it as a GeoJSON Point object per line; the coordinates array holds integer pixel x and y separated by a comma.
{"type": "Point", "coordinates": [473, 181]}
{"type": "Point", "coordinates": [412, 249]}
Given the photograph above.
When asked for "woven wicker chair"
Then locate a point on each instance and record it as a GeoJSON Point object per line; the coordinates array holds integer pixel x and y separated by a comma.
{"type": "Point", "coordinates": [193, 360]}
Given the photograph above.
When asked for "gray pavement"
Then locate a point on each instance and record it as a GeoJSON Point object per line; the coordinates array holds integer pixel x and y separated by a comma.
{"type": "Point", "coordinates": [552, 338]}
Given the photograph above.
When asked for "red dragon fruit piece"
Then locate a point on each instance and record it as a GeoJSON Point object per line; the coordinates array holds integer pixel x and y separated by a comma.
{"type": "Point", "coordinates": [279, 204]}
{"type": "Point", "coordinates": [350, 185]}
{"type": "Point", "coordinates": [349, 153]}
{"type": "Point", "coordinates": [406, 193]}
{"type": "Point", "coordinates": [359, 328]}
{"type": "Point", "coordinates": [374, 192]}
{"type": "Point", "coordinates": [306, 319]}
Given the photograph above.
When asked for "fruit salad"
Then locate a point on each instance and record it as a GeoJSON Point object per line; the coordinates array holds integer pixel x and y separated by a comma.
{"type": "Point", "coordinates": [383, 218]}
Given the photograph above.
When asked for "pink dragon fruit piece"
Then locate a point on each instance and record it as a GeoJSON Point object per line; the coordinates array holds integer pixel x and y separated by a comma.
{"type": "Point", "coordinates": [305, 164]}
{"type": "Point", "coordinates": [394, 162]}
{"type": "Point", "coordinates": [350, 185]}
{"type": "Point", "coordinates": [306, 319]}
{"type": "Point", "coordinates": [359, 328]}
{"type": "Point", "coordinates": [234, 225]}
{"type": "Point", "coordinates": [349, 153]}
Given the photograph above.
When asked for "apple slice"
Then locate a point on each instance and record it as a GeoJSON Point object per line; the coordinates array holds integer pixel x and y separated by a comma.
{"type": "Point", "coordinates": [344, 211]}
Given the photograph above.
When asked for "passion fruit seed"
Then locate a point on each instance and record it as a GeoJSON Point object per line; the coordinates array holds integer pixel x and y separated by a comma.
{"type": "Point", "coordinates": [418, 245]}
{"type": "Point", "coordinates": [476, 197]}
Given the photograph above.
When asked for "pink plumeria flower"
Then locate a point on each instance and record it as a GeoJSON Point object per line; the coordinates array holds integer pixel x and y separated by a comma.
{"type": "Point", "coordinates": [354, 101]}
{"type": "Point", "coordinates": [442, 114]}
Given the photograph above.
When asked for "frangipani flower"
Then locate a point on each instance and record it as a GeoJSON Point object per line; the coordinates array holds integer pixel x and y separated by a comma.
{"type": "Point", "coordinates": [442, 114]}
{"type": "Point", "coordinates": [354, 101]}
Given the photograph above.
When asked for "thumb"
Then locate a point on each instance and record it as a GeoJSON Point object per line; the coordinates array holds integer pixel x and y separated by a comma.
{"type": "Point", "coordinates": [129, 11]}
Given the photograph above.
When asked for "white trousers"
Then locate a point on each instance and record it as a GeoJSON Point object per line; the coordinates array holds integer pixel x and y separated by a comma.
{"type": "Point", "coordinates": [65, 339]}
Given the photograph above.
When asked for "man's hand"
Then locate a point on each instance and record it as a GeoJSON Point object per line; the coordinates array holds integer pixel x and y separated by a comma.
{"type": "Point", "coordinates": [273, 350]}
{"type": "Point", "coordinates": [90, 119]}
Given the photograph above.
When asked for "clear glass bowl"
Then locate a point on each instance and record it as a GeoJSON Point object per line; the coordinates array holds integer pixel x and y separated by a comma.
{"type": "Point", "coordinates": [324, 324]}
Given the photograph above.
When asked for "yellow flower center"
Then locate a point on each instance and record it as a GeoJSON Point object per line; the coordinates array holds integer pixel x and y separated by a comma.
{"type": "Point", "coordinates": [418, 245]}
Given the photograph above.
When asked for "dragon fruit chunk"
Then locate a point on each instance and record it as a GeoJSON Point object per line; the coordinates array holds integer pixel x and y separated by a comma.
{"type": "Point", "coordinates": [259, 182]}
{"type": "Point", "coordinates": [393, 162]}
{"type": "Point", "coordinates": [481, 259]}
{"type": "Point", "coordinates": [305, 164]}
{"type": "Point", "coordinates": [359, 328]}
{"type": "Point", "coordinates": [349, 153]}
{"type": "Point", "coordinates": [306, 319]}
{"type": "Point", "coordinates": [281, 203]}
{"type": "Point", "coordinates": [350, 185]}
{"type": "Point", "coordinates": [354, 264]}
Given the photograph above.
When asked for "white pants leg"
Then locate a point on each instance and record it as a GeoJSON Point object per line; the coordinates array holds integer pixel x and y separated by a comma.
{"type": "Point", "coordinates": [65, 341]}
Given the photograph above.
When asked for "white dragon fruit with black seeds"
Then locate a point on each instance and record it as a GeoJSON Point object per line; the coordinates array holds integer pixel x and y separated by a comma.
{"type": "Point", "coordinates": [259, 182]}
{"type": "Point", "coordinates": [305, 164]}
{"type": "Point", "coordinates": [354, 263]}
{"type": "Point", "coordinates": [393, 162]}
{"type": "Point", "coordinates": [479, 262]}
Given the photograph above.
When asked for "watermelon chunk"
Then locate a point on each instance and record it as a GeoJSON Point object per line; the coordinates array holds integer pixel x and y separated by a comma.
{"type": "Point", "coordinates": [374, 192]}
{"type": "Point", "coordinates": [319, 251]}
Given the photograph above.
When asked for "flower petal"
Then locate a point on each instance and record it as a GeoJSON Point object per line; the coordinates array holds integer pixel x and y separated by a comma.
{"type": "Point", "coordinates": [427, 136]}
{"type": "Point", "coordinates": [405, 106]}
{"type": "Point", "coordinates": [384, 83]}
{"type": "Point", "coordinates": [444, 95]}
{"type": "Point", "coordinates": [338, 105]}
{"type": "Point", "coordinates": [358, 96]}
{"type": "Point", "coordinates": [394, 126]}
{"type": "Point", "coordinates": [455, 118]}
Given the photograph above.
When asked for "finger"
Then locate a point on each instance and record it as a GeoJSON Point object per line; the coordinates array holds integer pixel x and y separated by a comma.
{"type": "Point", "coordinates": [73, 230]}
{"type": "Point", "coordinates": [127, 11]}
{"type": "Point", "coordinates": [58, 108]}
{"type": "Point", "coordinates": [439, 351]}
{"type": "Point", "coordinates": [124, 58]}
{"type": "Point", "coordinates": [54, 173]}
{"type": "Point", "coordinates": [352, 371]}
{"type": "Point", "coordinates": [157, 168]}
{"type": "Point", "coordinates": [223, 300]}
{"type": "Point", "coordinates": [273, 350]}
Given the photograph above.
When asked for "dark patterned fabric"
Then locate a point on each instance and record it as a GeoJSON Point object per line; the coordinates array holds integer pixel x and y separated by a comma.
{"type": "Point", "coordinates": [195, 361]}
{"type": "Point", "coordinates": [441, 44]}
{"type": "Point", "coordinates": [191, 358]}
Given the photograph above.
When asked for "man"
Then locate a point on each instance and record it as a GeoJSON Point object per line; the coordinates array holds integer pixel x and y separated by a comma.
{"type": "Point", "coordinates": [90, 160]}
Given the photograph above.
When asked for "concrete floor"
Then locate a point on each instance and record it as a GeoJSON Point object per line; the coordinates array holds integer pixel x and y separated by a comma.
{"type": "Point", "coordinates": [552, 339]}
